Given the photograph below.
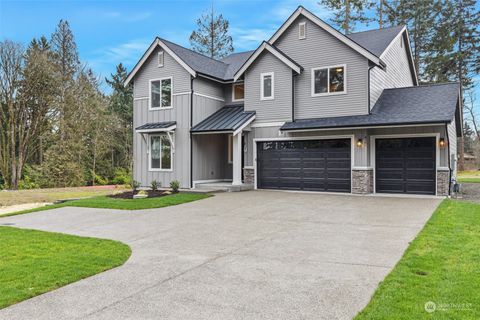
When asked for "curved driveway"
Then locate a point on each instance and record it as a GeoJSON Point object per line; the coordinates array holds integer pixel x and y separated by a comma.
{"type": "Point", "coordinates": [249, 255]}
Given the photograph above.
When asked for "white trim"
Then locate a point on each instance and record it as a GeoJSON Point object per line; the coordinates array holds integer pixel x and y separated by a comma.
{"type": "Point", "coordinates": [362, 168]}
{"type": "Point", "coordinates": [347, 136]}
{"type": "Point", "coordinates": [160, 54]}
{"type": "Point", "coordinates": [171, 128]}
{"type": "Point", "coordinates": [304, 25]}
{"type": "Point", "coordinates": [146, 55]}
{"type": "Point", "coordinates": [328, 93]}
{"type": "Point", "coordinates": [267, 124]}
{"type": "Point", "coordinates": [239, 130]}
{"type": "Point", "coordinates": [272, 85]}
{"type": "Point", "coordinates": [181, 93]}
{"type": "Point", "coordinates": [352, 44]}
{"type": "Point", "coordinates": [209, 97]}
{"type": "Point", "coordinates": [443, 169]}
{"type": "Point", "coordinates": [140, 98]}
{"type": "Point", "coordinates": [233, 91]}
{"type": "Point", "coordinates": [248, 167]}
{"type": "Point", "coordinates": [272, 50]}
{"type": "Point", "coordinates": [412, 62]}
{"type": "Point", "coordinates": [150, 108]}
{"type": "Point", "coordinates": [393, 42]}
{"type": "Point", "coordinates": [149, 153]}
{"type": "Point", "coordinates": [406, 135]}
{"type": "Point", "coordinates": [367, 127]}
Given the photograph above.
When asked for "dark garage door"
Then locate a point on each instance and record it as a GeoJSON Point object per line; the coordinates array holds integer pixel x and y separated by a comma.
{"type": "Point", "coordinates": [405, 165]}
{"type": "Point", "coordinates": [316, 165]}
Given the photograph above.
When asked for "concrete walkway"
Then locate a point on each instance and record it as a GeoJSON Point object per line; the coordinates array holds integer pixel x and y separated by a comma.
{"type": "Point", "coordinates": [249, 255]}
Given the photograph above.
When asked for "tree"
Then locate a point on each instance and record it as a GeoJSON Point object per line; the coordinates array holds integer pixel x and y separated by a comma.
{"type": "Point", "coordinates": [347, 13]}
{"type": "Point", "coordinates": [211, 37]}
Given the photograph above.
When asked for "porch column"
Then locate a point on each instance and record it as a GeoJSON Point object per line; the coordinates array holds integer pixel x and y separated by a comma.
{"type": "Point", "coordinates": [237, 159]}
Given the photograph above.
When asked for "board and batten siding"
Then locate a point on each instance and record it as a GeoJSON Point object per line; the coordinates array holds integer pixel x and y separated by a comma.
{"type": "Point", "coordinates": [397, 73]}
{"type": "Point", "coordinates": [321, 49]}
{"type": "Point", "coordinates": [280, 107]}
{"type": "Point", "coordinates": [452, 140]}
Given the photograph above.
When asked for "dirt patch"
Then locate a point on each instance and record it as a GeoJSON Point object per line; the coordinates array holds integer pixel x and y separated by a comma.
{"type": "Point", "coordinates": [469, 192]}
{"type": "Point", "coordinates": [130, 194]}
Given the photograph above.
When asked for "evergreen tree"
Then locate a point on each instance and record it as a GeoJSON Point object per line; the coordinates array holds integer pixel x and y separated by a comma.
{"type": "Point", "coordinates": [211, 37]}
{"type": "Point", "coordinates": [347, 13]}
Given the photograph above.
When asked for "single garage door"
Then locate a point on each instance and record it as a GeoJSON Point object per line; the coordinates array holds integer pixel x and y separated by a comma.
{"type": "Point", "coordinates": [315, 165]}
{"type": "Point", "coordinates": [405, 165]}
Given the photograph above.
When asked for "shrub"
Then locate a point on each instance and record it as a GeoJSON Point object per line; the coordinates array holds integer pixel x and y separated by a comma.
{"type": "Point", "coordinates": [155, 185]}
{"type": "Point", "coordinates": [99, 180]}
{"type": "Point", "coordinates": [175, 185]}
{"type": "Point", "coordinates": [32, 178]}
{"type": "Point", "coordinates": [135, 185]}
{"type": "Point", "coordinates": [121, 176]}
{"type": "Point", "coordinates": [27, 183]}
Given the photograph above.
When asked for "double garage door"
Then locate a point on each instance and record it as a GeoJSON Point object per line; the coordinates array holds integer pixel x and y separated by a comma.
{"type": "Point", "coordinates": [404, 165]}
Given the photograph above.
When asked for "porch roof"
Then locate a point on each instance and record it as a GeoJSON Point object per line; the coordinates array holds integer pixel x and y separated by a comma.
{"type": "Point", "coordinates": [228, 119]}
{"type": "Point", "coordinates": [157, 127]}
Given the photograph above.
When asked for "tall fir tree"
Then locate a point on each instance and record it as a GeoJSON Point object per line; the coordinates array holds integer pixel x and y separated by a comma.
{"type": "Point", "coordinates": [347, 13]}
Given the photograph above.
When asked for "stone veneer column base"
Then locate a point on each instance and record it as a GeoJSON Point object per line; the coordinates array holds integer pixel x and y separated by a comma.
{"type": "Point", "coordinates": [248, 175]}
{"type": "Point", "coordinates": [362, 181]}
{"type": "Point", "coordinates": [443, 179]}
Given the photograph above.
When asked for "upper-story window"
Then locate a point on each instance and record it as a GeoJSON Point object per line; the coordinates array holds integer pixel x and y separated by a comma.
{"type": "Point", "coordinates": [160, 58]}
{"type": "Point", "coordinates": [238, 92]}
{"type": "Point", "coordinates": [161, 93]}
{"type": "Point", "coordinates": [328, 80]}
{"type": "Point", "coordinates": [302, 30]}
{"type": "Point", "coordinates": [266, 86]}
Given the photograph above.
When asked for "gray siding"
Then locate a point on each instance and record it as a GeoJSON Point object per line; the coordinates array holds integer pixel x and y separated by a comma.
{"type": "Point", "coordinates": [397, 73]}
{"type": "Point", "coordinates": [150, 70]}
{"type": "Point", "coordinates": [278, 109]}
{"type": "Point", "coordinates": [452, 140]}
{"type": "Point", "coordinates": [208, 87]}
{"type": "Point", "coordinates": [204, 107]}
{"type": "Point", "coordinates": [320, 49]}
{"type": "Point", "coordinates": [210, 157]}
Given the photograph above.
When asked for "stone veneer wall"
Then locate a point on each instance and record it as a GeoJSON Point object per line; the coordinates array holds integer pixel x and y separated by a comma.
{"type": "Point", "coordinates": [443, 179]}
{"type": "Point", "coordinates": [248, 175]}
{"type": "Point", "coordinates": [362, 181]}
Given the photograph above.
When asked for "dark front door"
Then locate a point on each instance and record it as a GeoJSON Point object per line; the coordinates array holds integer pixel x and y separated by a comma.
{"type": "Point", "coordinates": [405, 165]}
{"type": "Point", "coordinates": [316, 165]}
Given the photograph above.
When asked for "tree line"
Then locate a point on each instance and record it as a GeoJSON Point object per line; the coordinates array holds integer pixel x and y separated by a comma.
{"type": "Point", "coordinates": [57, 128]}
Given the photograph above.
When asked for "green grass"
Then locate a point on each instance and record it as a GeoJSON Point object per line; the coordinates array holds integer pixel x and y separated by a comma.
{"type": "Point", "coordinates": [33, 262]}
{"type": "Point", "coordinates": [469, 176]}
{"type": "Point", "coordinates": [441, 265]}
{"type": "Point", "coordinates": [123, 204]}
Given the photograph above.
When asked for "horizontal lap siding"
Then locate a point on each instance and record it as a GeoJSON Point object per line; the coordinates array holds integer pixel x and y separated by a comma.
{"type": "Point", "coordinates": [320, 49]}
{"type": "Point", "coordinates": [208, 87]}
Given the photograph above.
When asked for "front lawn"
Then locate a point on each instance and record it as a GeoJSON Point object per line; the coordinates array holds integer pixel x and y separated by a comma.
{"type": "Point", "coordinates": [33, 262]}
{"type": "Point", "coordinates": [472, 176]}
{"type": "Point", "coordinates": [442, 265]}
{"type": "Point", "coordinates": [106, 202]}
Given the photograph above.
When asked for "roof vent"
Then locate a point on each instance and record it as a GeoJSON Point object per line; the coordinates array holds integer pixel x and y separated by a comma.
{"type": "Point", "coordinates": [302, 30]}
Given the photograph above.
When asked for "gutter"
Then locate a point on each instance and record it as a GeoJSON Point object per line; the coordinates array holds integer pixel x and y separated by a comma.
{"type": "Point", "coordinates": [449, 165]}
{"type": "Point", "coordinates": [367, 126]}
{"type": "Point", "coordinates": [191, 137]}
{"type": "Point", "coordinates": [293, 96]}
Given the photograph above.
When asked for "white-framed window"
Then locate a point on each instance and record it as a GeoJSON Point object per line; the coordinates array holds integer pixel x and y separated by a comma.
{"type": "Point", "coordinates": [302, 30]}
{"type": "Point", "coordinates": [230, 148]}
{"type": "Point", "coordinates": [267, 82]}
{"type": "Point", "coordinates": [238, 92]}
{"type": "Point", "coordinates": [161, 93]}
{"type": "Point", "coordinates": [160, 153]}
{"type": "Point", "coordinates": [160, 59]}
{"type": "Point", "coordinates": [329, 80]}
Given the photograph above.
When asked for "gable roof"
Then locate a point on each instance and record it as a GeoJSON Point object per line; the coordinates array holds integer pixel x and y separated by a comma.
{"type": "Point", "coordinates": [377, 40]}
{"type": "Point", "coordinates": [273, 50]}
{"type": "Point", "coordinates": [428, 104]}
{"type": "Point", "coordinates": [325, 26]}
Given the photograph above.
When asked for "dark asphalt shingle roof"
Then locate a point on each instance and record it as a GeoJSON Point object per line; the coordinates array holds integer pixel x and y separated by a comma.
{"type": "Point", "coordinates": [398, 106]}
{"type": "Point", "coordinates": [375, 41]}
{"type": "Point", "coordinates": [228, 118]}
{"type": "Point", "coordinates": [156, 125]}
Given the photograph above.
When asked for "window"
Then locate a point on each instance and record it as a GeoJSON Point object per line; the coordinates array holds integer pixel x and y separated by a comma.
{"type": "Point", "coordinates": [161, 93]}
{"type": "Point", "coordinates": [328, 80]}
{"type": "Point", "coordinates": [302, 30]}
{"type": "Point", "coordinates": [160, 152]}
{"type": "Point", "coordinates": [237, 92]}
{"type": "Point", "coordinates": [230, 148]}
{"type": "Point", "coordinates": [266, 86]}
{"type": "Point", "coordinates": [160, 59]}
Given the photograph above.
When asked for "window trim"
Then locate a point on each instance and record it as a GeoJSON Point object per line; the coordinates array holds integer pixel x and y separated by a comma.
{"type": "Point", "coordinates": [304, 24]}
{"type": "Point", "coordinates": [149, 152]}
{"type": "Point", "coordinates": [162, 54]}
{"type": "Point", "coordinates": [233, 91]}
{"type": "Point", "coordinates": [262, 93]}
{"type": "Point", "coordinates": [150, 108]}
{"type": "Point", "coordinates": [312, 81]}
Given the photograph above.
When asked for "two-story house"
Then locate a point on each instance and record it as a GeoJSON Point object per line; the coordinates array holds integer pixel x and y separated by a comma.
{"type": "Point", "coordinates": [309, 109]}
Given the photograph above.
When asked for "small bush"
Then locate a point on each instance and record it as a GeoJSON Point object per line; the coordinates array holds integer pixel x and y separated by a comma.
{"type": "Point", "coordinates": [175, 185]}
{"type": "Point", "coordinates": [27, 183]}
{"type": "Point", "coordinates": [155, 185]}
{"type": "Point", "coordinates": [99, 180]}
{"type": "Point", "coordinates": [121, 176]}
{"type": "Point", "coordinates": [135, 185]}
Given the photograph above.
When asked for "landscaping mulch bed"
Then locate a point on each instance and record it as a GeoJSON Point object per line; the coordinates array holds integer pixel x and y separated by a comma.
{"type": "Point", "coordinates": [130, 194]}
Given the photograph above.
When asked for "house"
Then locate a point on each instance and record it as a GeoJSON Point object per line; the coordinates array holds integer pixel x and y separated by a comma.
{"type": "Point", "coordinates": [309, 109]}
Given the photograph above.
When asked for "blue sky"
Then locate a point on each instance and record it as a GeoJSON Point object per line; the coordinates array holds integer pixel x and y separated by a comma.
{"type": "Point", "coordinates": [108, 32]}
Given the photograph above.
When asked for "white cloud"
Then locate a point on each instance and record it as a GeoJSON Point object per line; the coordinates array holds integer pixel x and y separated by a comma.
{"type": "Point", "coordinates": [248, 39]}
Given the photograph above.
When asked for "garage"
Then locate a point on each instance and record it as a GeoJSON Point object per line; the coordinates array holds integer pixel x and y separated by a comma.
{"type": "Point", "coordinates": [405, 165]}
{"type": "Point", "coordinates": [312, 165]}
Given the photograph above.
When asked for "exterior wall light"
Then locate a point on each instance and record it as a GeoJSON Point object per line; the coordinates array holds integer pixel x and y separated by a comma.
{"type": "Point", "coordinates": [442, 143]}
{"type": "Point", "coordinates": [360, 143]}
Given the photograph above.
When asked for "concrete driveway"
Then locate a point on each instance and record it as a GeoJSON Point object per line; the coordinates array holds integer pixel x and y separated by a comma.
{"type": "Point", "coordinates": [249, 255]}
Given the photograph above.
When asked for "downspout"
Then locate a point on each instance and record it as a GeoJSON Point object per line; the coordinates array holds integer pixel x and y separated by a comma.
{"type": "Point", "coordinates": [191, 137]}
{"type": "Point", "coordinates": [293, 96]}
{"type": "Point", "coordinates": [448, 154]}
